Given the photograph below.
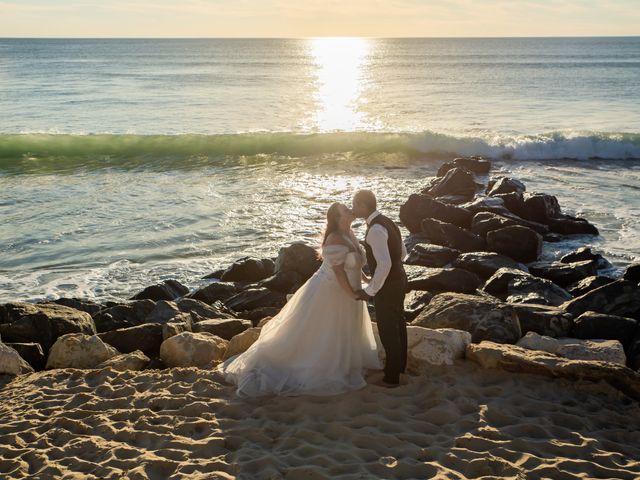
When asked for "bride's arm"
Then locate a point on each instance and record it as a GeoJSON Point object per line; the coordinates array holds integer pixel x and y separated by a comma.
{"type": "Point", "coordinates": [341, 275]}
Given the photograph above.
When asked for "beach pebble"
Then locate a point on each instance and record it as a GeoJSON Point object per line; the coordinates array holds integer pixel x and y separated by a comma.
{"type": "Point", "coordinates": [76, 350]}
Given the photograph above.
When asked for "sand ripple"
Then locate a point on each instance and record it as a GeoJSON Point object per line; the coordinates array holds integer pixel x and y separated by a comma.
{"type": "Point", "coordinates": [457, 422]}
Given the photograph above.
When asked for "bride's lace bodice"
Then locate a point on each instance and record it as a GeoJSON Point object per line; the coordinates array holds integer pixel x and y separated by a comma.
{"type": "Point", "coordinates": [341, 254]}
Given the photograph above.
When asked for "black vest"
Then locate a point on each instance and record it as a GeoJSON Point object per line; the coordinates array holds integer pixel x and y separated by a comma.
{"type": "Point", "coordinates": [394, 243]}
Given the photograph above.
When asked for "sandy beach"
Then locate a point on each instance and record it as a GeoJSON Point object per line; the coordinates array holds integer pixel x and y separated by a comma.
{"type": "Point", "coordinates": [454, 422]}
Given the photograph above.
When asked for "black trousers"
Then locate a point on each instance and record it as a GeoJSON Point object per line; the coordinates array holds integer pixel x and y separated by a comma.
{"type": "Point", "coordinates": [389, 305]}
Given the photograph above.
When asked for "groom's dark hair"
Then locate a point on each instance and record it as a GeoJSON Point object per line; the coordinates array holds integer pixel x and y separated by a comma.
{"type": "Point", "coordinates": [367, 198]}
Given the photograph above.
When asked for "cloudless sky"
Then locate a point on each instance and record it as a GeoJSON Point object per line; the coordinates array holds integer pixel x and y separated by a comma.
{"type": "Point", "coordinates": [308, 18]}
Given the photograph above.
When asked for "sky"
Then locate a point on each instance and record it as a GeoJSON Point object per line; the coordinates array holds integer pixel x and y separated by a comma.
{"type": "Point", "coordinates": [311, 18]}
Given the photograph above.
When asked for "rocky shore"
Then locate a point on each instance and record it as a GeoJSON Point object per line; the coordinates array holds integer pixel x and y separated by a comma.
{"type": "Point", "coordinates": [478, 292]}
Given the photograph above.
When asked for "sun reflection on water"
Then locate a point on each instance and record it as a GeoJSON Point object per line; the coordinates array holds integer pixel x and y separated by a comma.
{"type": "Point", "coordinates": [341, 78]}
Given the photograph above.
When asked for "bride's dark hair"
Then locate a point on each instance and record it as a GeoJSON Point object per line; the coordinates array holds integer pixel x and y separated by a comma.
{"type": "Point", "coordinates": [333, 218]}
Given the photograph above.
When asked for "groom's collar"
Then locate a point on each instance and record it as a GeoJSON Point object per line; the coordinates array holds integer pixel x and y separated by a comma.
{"type": "Point", "coordinates": [372, 216]}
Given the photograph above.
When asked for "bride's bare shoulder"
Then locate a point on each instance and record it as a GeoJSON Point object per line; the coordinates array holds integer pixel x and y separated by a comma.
{"type": "Point", "coordinates": [335, 239]}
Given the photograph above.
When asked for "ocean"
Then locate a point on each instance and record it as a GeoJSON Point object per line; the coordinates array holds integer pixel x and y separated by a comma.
{"type": "Point", "coordinates": [125, 162]}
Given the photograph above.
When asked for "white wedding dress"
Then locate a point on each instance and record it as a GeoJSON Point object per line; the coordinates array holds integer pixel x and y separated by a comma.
{"type": "Point", "coordinates": [321, 342]}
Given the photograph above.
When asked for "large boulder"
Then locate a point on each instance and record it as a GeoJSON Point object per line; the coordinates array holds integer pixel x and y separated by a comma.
{"type": "Point", "coordinates": [134, 361]}
{"type": "Point", "coordinates": [516, 286]}
{"type": "Point", "coordinates": [568, 225]}
{"type": "Point", "coordinates": [485, 318]}
{"type": "Point", "coordinates": [543, 319]}
{"type": "Point", "coordinates": [513, 202]}
{"type": "Point", "coordinates": [123, 315]}
{"type": "Point", "coordinates": [633, 352]}
{"type": "Point", "coordinates": [163, 312]}
{"type": "Point", "coordinates": [32, 353]}
{"type": "Point", "coordinates": [599, 325]}
{"type": "Point", "coordinates": [147, 337]}
{"type": "Point", "coordinates": [80, 304]}
{"type": "Point", "coordinates": [192, 350]}
{"type": "Point", "coordinates": [564, 274]}
{"type": "Point", "coordinates": [166, 290]}
{"type": "Point", "coordinates": [11, 363]}
{"type": "Point", "coordinates": [223, 328]}
{"type": "Point", "coordinates": [540, 207]}
{"type": "Point", "coordinates": [517, 359]}
{"type": "Point", "coordinates": [589, 283]}
{"type": "Point", "coordinates": [240, 343]}
{"type": "Point", "coordinates": [451, 236]}
{"type": "Point", "coordinates": [433, 256]}
{"type": "Point", "coordinates": [300, 258]}
{"type": "Point", "coordinates": [486, 205]}
{"type": "Point", "coordinates": [248, 270]}
{"type": "Point", "coordinates": [632, 273]}
{"type": "Point", "coordinates": [485, 264]}
{"type": "Point", "coordinates": [475, 164]}
{"type": "Point", "coordinates": [44, 323]}
{"type": "Point", "coordinates": [254, 298]}
{"type": "Point", "coordinates": [418, 207]}
{"type": "Point", "coordinates": [484, 222]}
{"type": "Point", "coordinates": [77, 350]}
{"type": "Point", "coordinates": [621, 298]}
{"type": "Point", "coordinates": [215, 310]}
{"type": "Point", "coordinates": [576, 349]}
{"type": "Point", "coordinates": [457, 181]}
{"type": "Point", "coordinates": [214, 292]}
{"type": "Point", "coordinates": [584, 253]}
{"type": "Point", "coordinates": [444, 280]}
{"type": "Point", "coordinates": [287, 281]}
{"type": "Point", "coordinates": [518, 242]}
{"type": "Point", "coordinates": [503, 185]}
{"type": "Point", "coordinates": [427, 346]}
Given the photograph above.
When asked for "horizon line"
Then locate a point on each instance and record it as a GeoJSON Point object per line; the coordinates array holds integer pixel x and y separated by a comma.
{"type": "Point", "coordinates": [80, 37]}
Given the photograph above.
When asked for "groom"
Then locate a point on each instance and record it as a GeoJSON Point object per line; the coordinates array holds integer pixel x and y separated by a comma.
{"type": "Point", "coordinates": [385, 252]}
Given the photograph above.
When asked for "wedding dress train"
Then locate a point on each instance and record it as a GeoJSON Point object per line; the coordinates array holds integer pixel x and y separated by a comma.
{"type": "Point", "coordinates": [321, 342]}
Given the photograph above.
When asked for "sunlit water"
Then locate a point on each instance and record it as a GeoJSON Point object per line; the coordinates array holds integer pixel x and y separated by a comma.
{"type": "Point", "coordinates": [214, 149]}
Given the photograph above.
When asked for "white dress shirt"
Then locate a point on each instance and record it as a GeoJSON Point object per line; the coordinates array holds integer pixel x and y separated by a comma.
{"type": "Point", "coordinates": [377, 238]}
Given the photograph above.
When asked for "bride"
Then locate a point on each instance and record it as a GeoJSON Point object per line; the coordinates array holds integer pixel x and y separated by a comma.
{"type": "Point", "coordinates": [321, 342]}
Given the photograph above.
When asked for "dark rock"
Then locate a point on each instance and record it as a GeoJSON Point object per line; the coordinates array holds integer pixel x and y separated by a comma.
{"type": "Point", "coordinates": [248, 270]}
{"type": "Point", "coordinates": [484, 222]}
{"type": "Point", "coordinates": [451, 236]}
{"type": "Point", "coordinates": [484, 318]}
{"type": "Point", "coordinates": [433, 256]}
{"type": "Point", "coordinates": [147, 338]}
{"type": "Point", "coordinates": [485, 264]}
{"type": "Point", "coordinates": [621, 298]}
{"type": "Point", "coordinates": [258, 314]}
{"type": "Point", "coordinates": [43, 323]}
{"type": "Point", "coordinates": [445, 280]}
{"type": "Point", "coordinates": [123, 315]}
{"type": "Point", "coordinates": [587, 284]}
{"type": "Point", "coordinates": [214, 292]}
{"type": "Point", "coordinates": [444, 168]}
{"type": "Point", "coordinates": [633, 352]}
{"type": "Point", "coordinates": [452, 199]}
{"type": "Point", "coordinates": [609, 327]}
{"type": "Point", "coordinates": [414, 302]}
{"type": "Point", "coordinates": [414, 239]}
{"type": "Point", "coordinates": [543, 319]}
{"type": "Point", "coordinates": [553, 237]}
{"type": "Point", "coordinates": [513, 202]}
{"type": "Point", "coordinates": [300, 258]}
{"type": "Point", "coordinates": [167, 290]}
{"type": "Point", "coordinates": [632, 273]}
{"type": "Point", "coordinates": [32, 353]}
{"type": "Point", "coordinates": [504, 185]}
{"type": "Point", "coordinates": [487, 204]}
{"type": "Point", "coordinates": [567, 225]}
{"type": "Point", "coordinates": [457, 181]}
{"type": "Point", "coordinates": [418, 207]}
{"type": "Point", "coordinates": [518, 242]}
{"type": "Point", "coordinates": [215, 310]}
{"type": "Point", "coordinates": [163, 312]}
{"type": "Point", "coordinates": [540, 207]}
{"type": "Point", "coordinates": [83, 305]}
{"type": "Point", "coordinates": [474, 164]}
{"type": "Point", "coordinates": [253, 298]}
{"type": "Point", "coordinates": [223, 328]}
{"type": "Point", "coordinates": [283, 282]}
{"type": "Point", "coordinates": [585, 253]}
{"type": "Point", "coordinates": [564, 274]}
{"type": "Point", "coordinates": [517, 286]}
{"type": "Point", "coordinates": [216, 274]}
